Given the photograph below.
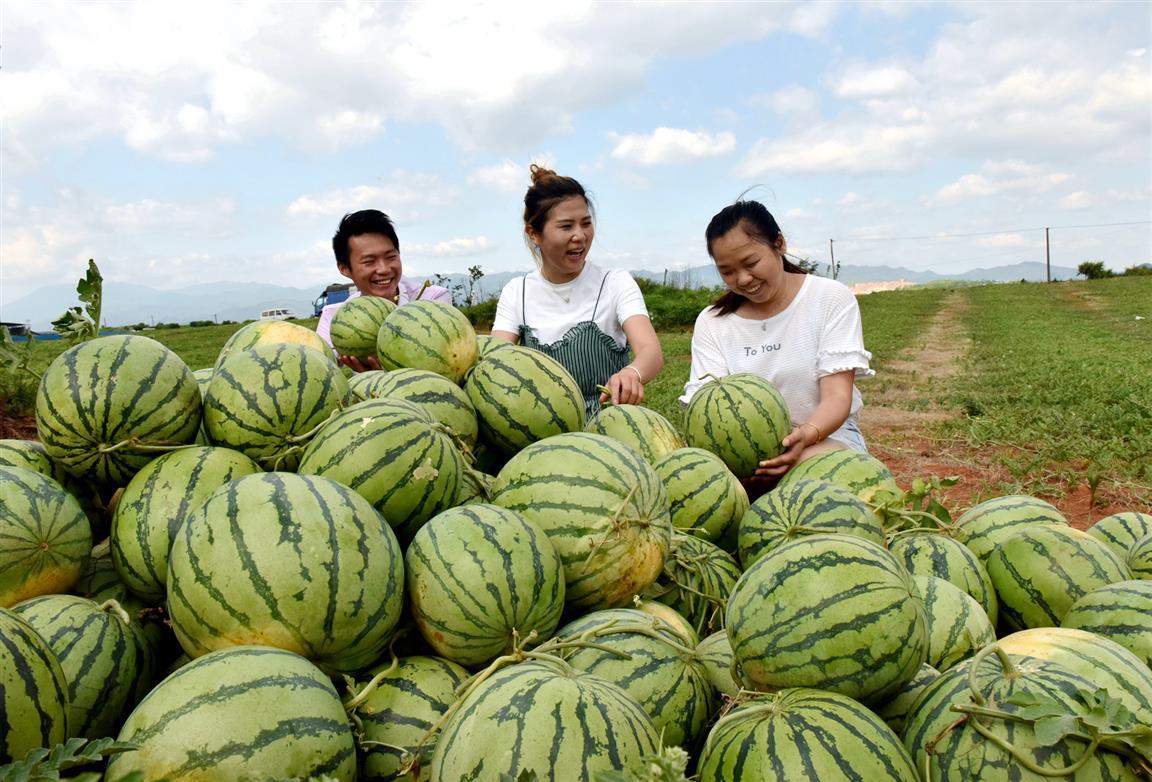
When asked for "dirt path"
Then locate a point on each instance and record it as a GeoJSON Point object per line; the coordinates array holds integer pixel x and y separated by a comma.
{"type": "Point", "coordinates": [902, 408]}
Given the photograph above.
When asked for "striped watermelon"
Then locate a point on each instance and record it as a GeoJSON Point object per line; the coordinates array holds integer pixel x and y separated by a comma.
{"type": "Point", "coordinates": [648, 660]}
{"type": "Point", "coordinates": [668, 616]}
{"type": "Point", "coordinates": [642, 428]}
{"type": "Point", "coordinates": [981, 526]}
{"type": "Point", "coordinates": [715, 653]}
{"type": "Point", "coordinates": [154, 504]}
{"type": "Point", "coordinates": [203, 378]}
{"type": "Point", "coordinates": [1040, 571]}
{"type": "Point", "coordinates": [933, 554]}
{"type": "Point", "coordinates": [245, 713]}
{"type": "Point", "coordinates": [741, 418]}
{"type": "Point", "coordinates": [98, 653]}
{"type": "Point", "coordinates": [895, 711]}
{"type": "Point", "coordinates": [522, 396]}
{"type": "Point", "coordinates": [957, 625]}
{"type": "Point", "coordinates": [801, 733]}
{"type": "Point", "coordinates": [486, 343]}
{"type": "Point", "coordinates": [262, 333]}
{"type": "Point", "coordinates": [602, 507]}
{"type": "Point", "coordinates": [356, 325]}
{"type": "Point", "coordinates": [33, 691]}
{"type": "Point", "coordinates": [445, 401]}
{"type": "Point", "coordinates": [394, 456]}
{"type": "Point", "coordinates": [949, 748]}
{"type": "Point", "coordinates": [1139, 559]}
{"type": "Point", "coordinates": [1121, 612]}
{"type": "Point", "coordinates": [401, 709]}
{"type": "Point", "coordinates": [267, 402]}
{"type": "Point", "coordinates": [105, 405]}
{"type": "Point", "coordinates": [1121, 531]}
{"type": "Point", "coordinates": [31, 455]}
{"type": "Point", "coordinates": [293, 561]}
{"type": "Point", "coordinates": [543, 716]}
{"type": "Point", "coordinates": [479, 578]}
{"type": "Point", "coordinates": [427, 335]}
{"type": "Point", "coordinates": [835, 612]}
{"type": "Point", "coordinates": [697, 578]}
{"type": "Point", "coordinates": [803, 507]}
{"type": "Point", "coordinates": [862, 474]}
{"type": "Point", "coordinates": [45, 538]}
{"type": "Point", "coordinates": [1105, 663]}
{"type": "Point", "coordinates": [705, 498]}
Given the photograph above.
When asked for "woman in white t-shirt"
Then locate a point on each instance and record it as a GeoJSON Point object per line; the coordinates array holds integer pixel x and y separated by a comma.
{"type": "Point", "coordinates": [800, 331]}
{"type": "Point", "coordinates": [591, 320]}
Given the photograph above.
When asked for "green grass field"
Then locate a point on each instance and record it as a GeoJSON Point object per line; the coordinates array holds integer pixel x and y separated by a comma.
{"type": "Point", "coordinates": [1054, 378]}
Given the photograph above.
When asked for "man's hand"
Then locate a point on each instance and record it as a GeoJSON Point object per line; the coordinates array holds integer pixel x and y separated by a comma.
{"type": "Point", "coordinates": [365, 364]}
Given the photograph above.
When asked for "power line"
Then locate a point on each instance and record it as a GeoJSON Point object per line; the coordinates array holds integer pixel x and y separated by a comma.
{"type": "Point", "coordinates": [988, 233]}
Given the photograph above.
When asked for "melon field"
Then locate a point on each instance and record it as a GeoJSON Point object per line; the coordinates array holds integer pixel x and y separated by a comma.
{"type": "Point", "coordinates": [223, 556]}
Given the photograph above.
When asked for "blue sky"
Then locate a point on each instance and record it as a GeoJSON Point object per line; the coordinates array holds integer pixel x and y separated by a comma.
{"type": "Point", "coordinates": [178, 143]}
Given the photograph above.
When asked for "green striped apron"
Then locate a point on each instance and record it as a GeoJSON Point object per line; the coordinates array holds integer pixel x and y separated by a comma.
{"type": "Point", "coordinates": [590, 355]}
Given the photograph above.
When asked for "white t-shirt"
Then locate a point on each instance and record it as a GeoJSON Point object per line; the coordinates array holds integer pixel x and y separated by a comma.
{"type": "Point", "coordinates": [554, 309]}
{"type": "Point", "coordinates": [818, 334]}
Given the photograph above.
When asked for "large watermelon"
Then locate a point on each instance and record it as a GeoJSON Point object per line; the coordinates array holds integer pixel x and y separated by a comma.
{"type": "Point", "coordinates": [445, 401]}
{"type": "Point", "coordinates": [543, 717]}
{"type": "Point", "coordinates": [1121, 531]}
{"type": "Point", "coordinates": [294, 561]}
{"type": "Point", "coordinates": [271, 332]}
{"type": "Point", "coordinates": [521, 396]}
{"type": "Point", "coordinates": [957, 625]}
{"type": "Point", "coordinates": [835, 612]}
{"type": "Point", "coordinates": [952, 748]}
{"type": "Point", "coordinates": [1040, 571]}
{"type": "Point", "coordinates": [648, 660]}
{"type": "Point", "coordinates": [1121, 612]}
{"type": "Point", "coordinates": [697, 578]}
{"type": "Point", "coordinates": [862, 474]}
{"type": "Point", "coordinates": [267, 402]}
{"type": "Point", "coordinates": [803, 734]}
{"type": "Point", "coordinates": [480, 578]}
{"type": "Point", "coordinates": [642, 428]}
{"type": "Point", "coordinates": [393, 455]}
{"type": "Point", "coordinates": [895, 711]}
{"type": "Point", "coordinates": [33, 691]}
{"type": "Point", "coordinates": [741, 418]}
{"type": "Point", "coordinates": [100, 656]}
{"type": "Point", "coordinates": [1139, 559]}
{"type": "Point", "coordinates": [154, 504]}
{"type": "Point", "coordinates": [356, 325]}
{"type": "Point", "coordinates": [250, 712]}
{"type": "Point", "coordinates": [602, 507]}
{"type": "Point", "coordinates": [106, 405]}
{"type": "Point", "coordinates": [427, 335]}
{"type": "Point", "coordinates": [803, 507]}
{"type": "Point", "coordinates": [45, 538]}
{"type": "Point", "coordinates": [982, 525]}
{"type": "Point", "coordinates": [402, 708]}
{"type": "Point", "coordinates": [934, 554]}
{"type": "Point", "coordinates": [704, 496]}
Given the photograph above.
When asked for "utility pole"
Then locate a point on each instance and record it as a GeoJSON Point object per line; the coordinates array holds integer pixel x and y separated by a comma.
{"type": "Point", "coordinates": [832, 266]}
{"type": "Point", "coordinates": [1047, 256]}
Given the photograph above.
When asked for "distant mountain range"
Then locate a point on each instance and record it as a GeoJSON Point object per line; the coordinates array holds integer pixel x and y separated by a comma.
{"type": "Point", "coordinates": [126, 304]}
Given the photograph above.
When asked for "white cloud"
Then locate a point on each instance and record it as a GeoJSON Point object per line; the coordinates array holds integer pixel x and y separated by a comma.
{"type": "Point", "coordinates": [507, 176]}
{"type": "Point", "coordinates": [879, 82]}
{"type": "Point", "coordinates": [405, 198]}
{"type": "Point", "coordinates": [836, 149]}
{"type": "Point", "coordinates": [1081, 199]}
{"type": "Point", "coordinates": [798, 214]}
{"type": "Point", "coordinates": [1003, 240]}
{"type": "Point", "coordinates": [1000, 178]}
{"type": "Point", "coordinates": [665, 146]}
{"type": "Point", "coordinates": [849, 200]}
{"type": "Point", "coordinates": [452, 247]}
{"type": "Point", "coordinates": [794, 102]}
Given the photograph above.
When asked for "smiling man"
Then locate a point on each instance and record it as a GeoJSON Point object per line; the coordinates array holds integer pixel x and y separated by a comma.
{"type": "Point", "coordinates": [368, 253]}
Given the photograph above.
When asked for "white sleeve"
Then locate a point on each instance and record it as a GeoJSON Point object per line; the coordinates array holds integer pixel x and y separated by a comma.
{"type": "Point", "coordinates": [629, 299]}
{"type": "Point", "coordinates": [842, 339]}
{"type": "Point", "coordinates": [509, 314]}
{"type": "Point", "coordinates": [707, 356]}
{"type": "Point", "coordinates": [324, 325]}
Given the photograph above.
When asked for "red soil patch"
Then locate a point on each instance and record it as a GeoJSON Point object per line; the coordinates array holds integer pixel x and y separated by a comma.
{"type": "Point", "coordinates": [17, 427]}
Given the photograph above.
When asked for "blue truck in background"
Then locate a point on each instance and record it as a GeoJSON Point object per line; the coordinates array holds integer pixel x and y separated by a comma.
{"type": "Point", "coordinates": [336, 292]}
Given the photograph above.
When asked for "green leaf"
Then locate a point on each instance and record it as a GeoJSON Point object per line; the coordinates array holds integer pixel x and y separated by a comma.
{"type": "Point", "coordinates": [76, 324]}
{"type": "Point", "coordinates": [1052, 730]}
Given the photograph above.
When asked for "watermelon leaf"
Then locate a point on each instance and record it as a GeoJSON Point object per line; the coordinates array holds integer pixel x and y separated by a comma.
{"type": "Point", "coordinates": [43, 763]}
{"type": "Point", "coordinates": [15, 359]}
{"type": "Point", "coordinates": [76, 324]}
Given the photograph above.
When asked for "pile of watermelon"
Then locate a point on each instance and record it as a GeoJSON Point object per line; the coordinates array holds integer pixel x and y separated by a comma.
{"type": "Point", "coordinates": [441, 570]}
